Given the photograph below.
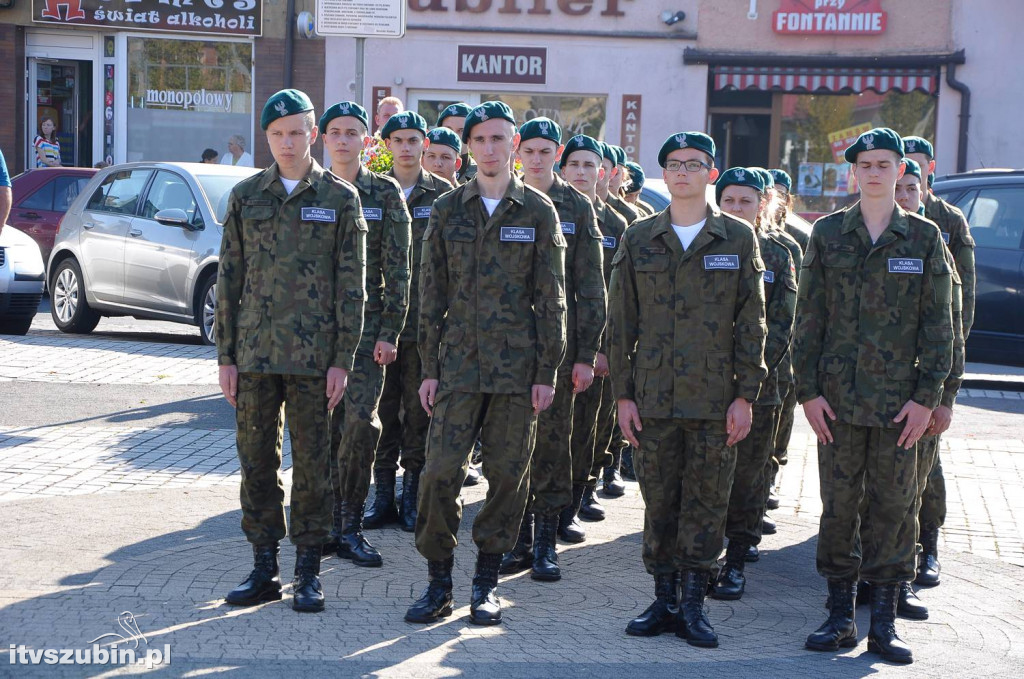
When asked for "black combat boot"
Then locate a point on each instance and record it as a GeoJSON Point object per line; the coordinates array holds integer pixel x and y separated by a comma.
{"type": "Point", "coordinates": [840, 629]}
{"type": "Point", "coordinates": [768, 526]}
{"type": "Point", "coordinates": [545, 556]}
{"type": "Point", "coordinates": [753, 554]}
{"type": "Point", "coordinates": [613, 483]}
{"type": "Point", "coordinates": [928, 566]}
{"type": "Point", "coordinates": [263, 584]}
{"type": "Point", "coordinates": [909, 605]}
{"type": "Point", "coordinates": [410, 494]}
{"type": "Point", "coordinates": [521, 556]}
{"type": "Point", "coordinates": [569, 527]}
{"type": "Point", "coordinates": [330, 546]}
{"type": "Point", "coordinates": [773, 499]}
{"type": "Point", "coordinates": [485, 609]}
{"type": "Point", "coordinates": [626, 468]}
{"type": "Point", "coordinates": [660, 616]}
{"type": "Point", "coordinates": [351, 543]}
{"type": "Point", "coordinates": [590, 508]}
{"type": "Point", "coordinates": [882, 637]}
{"type": "Point", "coordinates": [436, 601]}
{"type": "Point", "coordinates": [692, 621]}
{"type": "Point", "coordinates": [383, 511]}
{"type": "Point", "coordinates": [307, 594]}
{"type": "Point", "coordinates": [731, 582]}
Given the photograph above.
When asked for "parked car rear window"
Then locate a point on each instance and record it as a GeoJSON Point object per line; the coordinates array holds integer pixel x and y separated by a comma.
{"type": "Point", "coordinates": [996, 216]}
{"type": "Point", "coordinates": [40, 200]}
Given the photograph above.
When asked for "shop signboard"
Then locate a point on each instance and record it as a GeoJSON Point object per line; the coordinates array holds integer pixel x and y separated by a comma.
{"type": "Point", "coordinates": [829, 17]}
{"type": "Point", "coordinates": [487, 64]}
{"type": "Point", "coordinates": [210, 17]}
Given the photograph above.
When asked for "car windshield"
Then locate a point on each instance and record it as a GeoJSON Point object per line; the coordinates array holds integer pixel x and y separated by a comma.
{"type": "Point", "coordinates": [217, 188]}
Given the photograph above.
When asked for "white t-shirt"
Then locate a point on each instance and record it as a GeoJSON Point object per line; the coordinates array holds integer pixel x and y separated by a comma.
{"type": "Point", "coordinates": [408, 192]}
{"type": "Point", "coordinates": [688, 233]}
{"type": "Point", "coordinates": [289, 184]}
{"type": "Point", "coordinates": [491, 204]}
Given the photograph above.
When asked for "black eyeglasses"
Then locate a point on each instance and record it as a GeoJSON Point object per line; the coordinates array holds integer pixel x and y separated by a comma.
{"type": "Point", "coordinates": [690, 165]}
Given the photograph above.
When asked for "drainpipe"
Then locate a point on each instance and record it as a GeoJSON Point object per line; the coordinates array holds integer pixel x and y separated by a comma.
{"type": "Point", "coordinates": [289, 43]}
{"type": "Point", "coordinates": [965, 114]}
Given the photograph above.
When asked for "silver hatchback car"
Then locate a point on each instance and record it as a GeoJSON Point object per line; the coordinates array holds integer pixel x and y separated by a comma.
{"type": "Point", "coordinates": [142, 240]}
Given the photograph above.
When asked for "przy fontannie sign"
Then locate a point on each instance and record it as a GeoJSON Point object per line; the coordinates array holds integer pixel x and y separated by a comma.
{"type": "Point", "coordinates": [829, 17]}
{"type": "Point", "coordinates": [225, 17]}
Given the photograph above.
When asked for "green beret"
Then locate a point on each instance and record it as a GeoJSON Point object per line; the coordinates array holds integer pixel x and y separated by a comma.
{"type": "Point", "coordinates": [404, 120]}
{"type": "Point", "coordinates": [766, 177]}
{"type": "Point", "coordinates": [880, 138]}
{"type": "Point", "coordinates": [581, 142]}
{"type": "Point", "coordinates": [636, 177]}
{"type": "Point", "coordinates": [344, 108]}
{"type": "Point", "coordinates": [739, 176]}
{"type": "Point", "coordinates": [442, 135]}
{"type": "Point", "coordinates": [284, 103]}
{"type": "Point", "coordinates": [458, 110]}
{"type": "Point", "coordinates": [913, 167]}
{"type": "Point", "coordinates": [684, 140]}
{"type": "Point", "coordinates": [607, 152]}
{"type": "Point", "coordinates": [543, 128]}
{"type": "Point", "coordinates": [782, 178]}
{"type": "Point", "coordinates": [919, 145]}
{"type": "Point", "coordinates": [489, 110]}
{"type": "Point", "coordinates": [620, 155]}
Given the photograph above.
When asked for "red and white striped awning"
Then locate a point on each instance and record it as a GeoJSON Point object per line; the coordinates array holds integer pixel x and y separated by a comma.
{"type": "Point", "coordinates": [837, 80]}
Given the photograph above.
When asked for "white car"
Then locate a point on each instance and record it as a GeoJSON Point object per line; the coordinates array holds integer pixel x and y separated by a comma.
{"type": "Point", "coordinates": [21, 281]}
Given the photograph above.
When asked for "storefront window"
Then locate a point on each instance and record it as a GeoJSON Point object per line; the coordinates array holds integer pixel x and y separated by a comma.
{"type": "Point", "coordinates": [816, 128]}
{"type": "Point", "coordinates": [187, 95]}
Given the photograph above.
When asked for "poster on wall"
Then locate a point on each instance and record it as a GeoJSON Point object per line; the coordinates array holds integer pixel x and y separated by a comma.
{"type": "Point", "coordinates": [108, 114]}
{"type": "Point", "coordinates": [213, 17]}
{"type": "Point", "coordinates": [835, 179]}
{"type": "Point", "coordinates": [840, 140]}
{"type": "Point", "coordinates": [810, 182]}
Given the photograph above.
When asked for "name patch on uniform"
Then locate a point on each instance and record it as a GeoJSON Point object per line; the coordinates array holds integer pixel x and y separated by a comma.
{"type": "Point", "coordinates": [517, 234]}
{"type": "Point", "coordinates": [721, 262]}
{"type": "Point", "coordinates": [769, 276]}
{"type": "Point", "coordinates": [318, 214]}
{"type": "Point", "coordinates": [608, 242]}
{"type": "Point", "coordinates": [899, 265]}
{"type": "Point", "coordinates": [374, 213]}
{"type": "Point", "coordinates": [945, 237]}
{"type": "Point", "coordinates": [569, 228]}
{"type": "Point", "coordinates": [257, 202]}
{"type": "Point", "coordinates": [421, 212]}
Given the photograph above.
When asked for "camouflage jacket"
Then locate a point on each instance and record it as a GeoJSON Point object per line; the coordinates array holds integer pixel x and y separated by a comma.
{"type": "Point", "coordinates": [951, 386]}
{"type": "Point", "coordinates": [785, 369]}
{"type": "Point", "coordinates": [874, 327]}
{"type": "Point", "coordinates": [420, 203]}
{"type": "Point", "coordinates": [492, 292]}
{"type": "Point", "coordinates": [612, 226]}
{"type": "Point", "coordinates": [387, 258]}
{"type": "Point", "coordinates": [687, 327]}
{"type": "Point", "coordinates": [467, 171]}
{"type": "Point", "coordinates": [797, 233]}
{"type": "Point", "coordinates": [628, 212]}
{"type": "Point", "coordinates": [957, 235]}
{"type": "Point", "coordinates": [780, 311]}
{"type": "Point", "coordinates": [290, 278]}
{"type": "Point", "coordinates": [585, 291]}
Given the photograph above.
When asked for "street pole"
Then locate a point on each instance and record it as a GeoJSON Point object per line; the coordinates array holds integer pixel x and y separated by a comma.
{"type": "Point", "coordinates": [360, 45]}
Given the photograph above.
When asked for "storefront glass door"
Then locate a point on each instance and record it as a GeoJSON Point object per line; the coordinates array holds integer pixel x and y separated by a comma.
{"type": "Point", "coordinates": [55, 94]}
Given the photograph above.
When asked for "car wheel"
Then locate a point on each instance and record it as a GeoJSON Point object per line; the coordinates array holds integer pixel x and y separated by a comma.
{"type": "Point", "coordinates": [206, 311]}
{"type": "Point", "coordinates": [17, 326]}
{"type": "Point", "coordinates": [68, 307]}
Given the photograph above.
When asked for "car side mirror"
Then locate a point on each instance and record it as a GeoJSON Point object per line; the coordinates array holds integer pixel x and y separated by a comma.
{"type": "Point", "coordinates": [174, 217]}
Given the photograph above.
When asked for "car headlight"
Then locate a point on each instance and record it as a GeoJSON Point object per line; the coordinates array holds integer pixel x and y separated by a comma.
{"type": "Point", "coordinates": [25, 259]}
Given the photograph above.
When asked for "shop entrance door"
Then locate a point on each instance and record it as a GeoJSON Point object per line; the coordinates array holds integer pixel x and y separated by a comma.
{"type": "Point", "coordinates": [744, 139]}
{"type": "Point", "coordinates": [61, 90]}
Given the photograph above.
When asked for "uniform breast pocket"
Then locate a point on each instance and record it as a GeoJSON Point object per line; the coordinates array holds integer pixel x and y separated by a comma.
{"type": "Point", "coordinates": [315, 238]}
{"type": "Point", "coordinates": [515, 257]}
{"type": "Point", "coordinates": [652, 277]}
{"type": "Point", "coordinates": [257, 234]}
{"type": "Point", "coordinates": [717, 286]}
{"type": "Point", "coordinates": [460, 242]}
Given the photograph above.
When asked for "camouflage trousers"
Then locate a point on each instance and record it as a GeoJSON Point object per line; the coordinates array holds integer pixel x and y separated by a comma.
{"type": "Point", "coordinates": [784, 430]}
{"type": "Point", "coordinates": [551, 467]}
{"type": "Point", "coordinates": [586, 411]}
{"type": "Point", "coordinates": [685, 471]}
{"type": "Point", "coordinates": [404, 422]}
{"type": "Point", "coordinates": [260, 437]}
{"type": "Point", "coordinates": [507, 423]}
{"type": "Point", "coordinates": [751, 480]}
{"type": "Point", "coordinates": [933, 493]}
{"type": "Point", "coordinates": [355, 431]}
{"type": "Point", "coordinates": [607, 438]}
{"type": "Point", "coordinates": [868, 528]}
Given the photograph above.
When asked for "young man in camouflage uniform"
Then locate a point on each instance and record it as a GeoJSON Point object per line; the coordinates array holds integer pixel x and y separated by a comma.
{"type": "Point", "coordinates": [874, 343]}
{"type": "Point", "coordinates": [616, 179]}
{"type": "Point", "coordinates": [289, 316]}
{"type": "Point", "coordinates": [356, 426]}
{"type": "Point", "coordinates": [491, 338]}
{"type": "Point", "coordinates": [442, 157]}
{"type": "Point", "coordinates": [405, 136]}
{"type": "Point", "coordinates": [957, 235]}
{"type": "Point", "coordinates": [687, 345]}
{"type": "Point", "coordinates": [742, 192]}
{"type": "Point", "coordinates": [553, 468]}
{"type": "Point", "coordinates": [453, 117]}
{"type": "Point", "coordinates": [593, 411]}
{"type": "Point", "coordinates": [636, 184]}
